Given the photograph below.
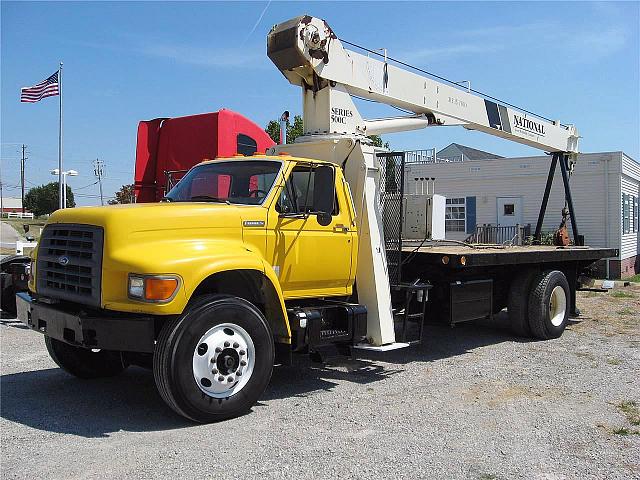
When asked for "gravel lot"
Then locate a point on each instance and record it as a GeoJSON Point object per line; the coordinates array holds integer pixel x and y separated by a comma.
{"type": "Point", "coordinates": [471, 402]}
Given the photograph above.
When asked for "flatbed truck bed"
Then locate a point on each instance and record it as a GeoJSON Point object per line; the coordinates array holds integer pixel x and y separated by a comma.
{"type": "Point", "coordinates": [490, 255]}
{"type": "Point", "coordinates": [474, 281]}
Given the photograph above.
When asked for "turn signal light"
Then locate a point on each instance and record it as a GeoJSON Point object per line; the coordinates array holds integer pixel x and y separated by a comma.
{"type": "Point", "coordinates": [160, 288]}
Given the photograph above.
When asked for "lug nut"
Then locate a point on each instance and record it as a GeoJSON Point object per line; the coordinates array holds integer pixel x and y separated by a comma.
{"type": "Point", "coordinates": [214, 371]}
{"type": "Point", "coordinates": [226, 344]}
{"type": "Point", "coordinates": [242, 352]}
{"type": "Point", "coordinates": [218, 349]}
{"type": "Point", "coordinates": [236, 345]}
{"type": "Point", "coordinates": [238, 373]}
{"type": "Point", "coordinates": [230, 379]}
{"type": "Point", "coordinates": [243, 363]}
{"type": "Point", "coordinates": [221, 378]}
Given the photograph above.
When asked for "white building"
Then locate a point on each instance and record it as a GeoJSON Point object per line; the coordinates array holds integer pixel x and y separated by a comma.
{"type": "Point", "coordinates": [10, 205]}
{"type": "Point", "coordinates": [507, 191]}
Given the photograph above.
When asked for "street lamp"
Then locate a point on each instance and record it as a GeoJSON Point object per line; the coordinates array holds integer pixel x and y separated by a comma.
{"type": "Point", "coordinates": [71, 173]}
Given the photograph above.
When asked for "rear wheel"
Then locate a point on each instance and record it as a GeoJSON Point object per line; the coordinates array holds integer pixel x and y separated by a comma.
{"type": "Point", "coordinates": [82, 362]}
{"type": "Point", "coordinates": [549, 305]}
{"type": "Point", "coordinates": [214, 361]}
{"type": "Point", "coordinates": [518, 303]}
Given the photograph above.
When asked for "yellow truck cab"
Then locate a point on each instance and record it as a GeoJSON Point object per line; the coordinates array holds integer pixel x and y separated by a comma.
{"type": "Point", "coordinates": [200, 284]}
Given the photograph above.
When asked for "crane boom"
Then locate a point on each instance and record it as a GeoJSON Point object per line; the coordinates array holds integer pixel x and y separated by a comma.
{"type": "Point", "coordinates": [309, 54]}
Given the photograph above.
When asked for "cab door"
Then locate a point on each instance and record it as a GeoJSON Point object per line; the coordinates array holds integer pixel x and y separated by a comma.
{"type": "Point", "coordinates": [312, 256]}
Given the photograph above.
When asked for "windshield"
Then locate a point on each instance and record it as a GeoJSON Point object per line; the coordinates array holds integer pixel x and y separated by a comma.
{"type": "Point", "coordinates": [245, 182]}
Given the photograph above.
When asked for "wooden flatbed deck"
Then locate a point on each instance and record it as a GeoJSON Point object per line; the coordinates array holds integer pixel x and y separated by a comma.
{"type": "Point", "coordinates": [488, 255]}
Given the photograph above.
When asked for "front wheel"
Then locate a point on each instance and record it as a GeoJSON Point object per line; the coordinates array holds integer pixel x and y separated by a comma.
{"type": "Point", "coordinates": [214, 361]}
{"type": "Point", "coordinates": [83, 362]}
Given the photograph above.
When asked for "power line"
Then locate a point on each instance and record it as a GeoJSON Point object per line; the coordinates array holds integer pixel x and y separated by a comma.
{"type": "Point", "coordinates": [87, 186]}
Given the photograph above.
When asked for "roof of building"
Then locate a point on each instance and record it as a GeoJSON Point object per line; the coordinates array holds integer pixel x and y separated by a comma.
{"type": "Point", "coordinates": [472, 153]}
{"type": "Point", "coordinates": [11, 202]}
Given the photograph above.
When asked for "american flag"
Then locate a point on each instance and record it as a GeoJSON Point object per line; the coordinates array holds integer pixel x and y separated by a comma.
{"type": "Point", "coordinates": [48, 88]}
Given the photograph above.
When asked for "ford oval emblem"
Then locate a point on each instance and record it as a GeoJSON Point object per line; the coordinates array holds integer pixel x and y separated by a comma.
{"type": "Point", "coordinates": [64, 261]}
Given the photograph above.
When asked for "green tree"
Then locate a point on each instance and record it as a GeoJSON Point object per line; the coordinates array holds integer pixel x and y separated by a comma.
{"type": "Point", "coordinates": [377, 141]}
{"type": "Point", "coordinates": [293, 131]}
{"type": "Point", "coordinates": [124, 195]}
{"type": "Point", "coordinates": [44, 199]}
{"type": "Point", "coordinates": [296, 130]}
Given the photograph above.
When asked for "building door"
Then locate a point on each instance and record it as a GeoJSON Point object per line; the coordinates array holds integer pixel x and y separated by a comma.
{"type": "Point", "coordinates": [509, 211]}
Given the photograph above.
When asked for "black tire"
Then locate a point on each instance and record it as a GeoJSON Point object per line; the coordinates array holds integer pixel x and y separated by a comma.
{"type": "Point", "coordinates": [84, 363]}
{"type": "Point", "coordinates": [8, 300]}
{"type": "Point", "coordinates": [540, 319]}
{"type": "Point", "coordinates": [173, 359]}
{"type": "Point", "coordinates": [518, 304]}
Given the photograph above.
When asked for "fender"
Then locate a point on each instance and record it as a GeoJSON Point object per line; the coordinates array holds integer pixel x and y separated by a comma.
{"type": "Point", "coordinates": [192, 260]}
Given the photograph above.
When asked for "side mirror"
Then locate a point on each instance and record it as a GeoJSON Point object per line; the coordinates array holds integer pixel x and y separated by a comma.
{"type": "Point", "coordinates": [324, 193]}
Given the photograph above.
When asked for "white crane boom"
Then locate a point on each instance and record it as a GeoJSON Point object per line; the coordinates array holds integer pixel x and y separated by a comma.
{"type": "Point", "coordinates": [309, 54]}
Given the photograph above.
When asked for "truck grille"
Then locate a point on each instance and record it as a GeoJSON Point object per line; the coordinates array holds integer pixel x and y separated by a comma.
{"type": "Point", "coordinates": [69, 265]}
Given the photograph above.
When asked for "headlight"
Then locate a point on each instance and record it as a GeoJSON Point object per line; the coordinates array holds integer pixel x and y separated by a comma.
{"type": "Point", "coordinates": [136, 287]}
{"type": "Point", "coordinates": [153, 288]}
{"type": "Point", "coordinates": [31, 271]}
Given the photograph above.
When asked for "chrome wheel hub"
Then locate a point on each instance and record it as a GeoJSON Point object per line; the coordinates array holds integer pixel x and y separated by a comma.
{"type": "Point", "coordinates": [223, 360]}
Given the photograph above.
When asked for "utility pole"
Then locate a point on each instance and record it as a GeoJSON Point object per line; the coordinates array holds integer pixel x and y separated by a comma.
{"type": "Point", "coordinates": [97, 170]}
{"type": "Point", "coordinates": [24, 147]}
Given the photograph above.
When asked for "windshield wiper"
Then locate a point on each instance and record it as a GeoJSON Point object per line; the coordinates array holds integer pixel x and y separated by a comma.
{"type": "Point", "coordinates": [210, 199]}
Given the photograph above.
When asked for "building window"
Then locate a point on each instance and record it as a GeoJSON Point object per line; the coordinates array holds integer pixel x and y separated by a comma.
{"type": "Point", "coordinates": [509, 209]}
{"type": "Point", "coordinates": [626, 220]}
{"type": "Point", "coordinates": [456, 215]}
{"type": "Point", "coordinates": [634, 216]}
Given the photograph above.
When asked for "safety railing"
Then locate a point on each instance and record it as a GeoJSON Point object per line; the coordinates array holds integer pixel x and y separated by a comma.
{"type": "Point", "coordinates": [500, 234]}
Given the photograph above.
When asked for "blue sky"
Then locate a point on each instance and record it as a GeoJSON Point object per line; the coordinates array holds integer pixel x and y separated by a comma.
{"type": "Point", "coordinates": [125, 62]}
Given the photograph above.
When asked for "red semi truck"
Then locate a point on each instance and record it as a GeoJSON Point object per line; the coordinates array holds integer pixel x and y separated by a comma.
{"type": "Point", "coordinates": [168, 147]}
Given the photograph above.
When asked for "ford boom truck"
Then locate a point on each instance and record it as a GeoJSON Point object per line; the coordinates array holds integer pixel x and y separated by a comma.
{"type": "Point", "coordinates": [312, 247]}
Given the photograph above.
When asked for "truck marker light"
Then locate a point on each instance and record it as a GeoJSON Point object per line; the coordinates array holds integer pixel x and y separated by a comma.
{"type": "Point", "coordinates": [445, 259]}
{"type": "Point", "coordinates": [463, 260]}
{"type": "Point", "coordinates": [159, 288]}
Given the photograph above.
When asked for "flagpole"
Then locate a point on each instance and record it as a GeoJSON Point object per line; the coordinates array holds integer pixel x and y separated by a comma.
{"type": "Point", "coordinates": [60, 186]}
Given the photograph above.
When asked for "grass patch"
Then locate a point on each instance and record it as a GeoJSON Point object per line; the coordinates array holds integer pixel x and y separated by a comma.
{"type": "Point", "coordinates": [587, 355]}
{"type": "Point", "coordinates": [635, 278]}
{"type": "Point", "coordinates": [487, 476]}
{"type": "Point", "coordinates": [631, 410]}
{"type": "Point", "coordinates": [622, 431]}
{"type": "Point", "coordinates": [621, 294]}
{"type": "Point", "coordinates": [614, 361]}
{"type": "Point", "coordinates": [625, 311]}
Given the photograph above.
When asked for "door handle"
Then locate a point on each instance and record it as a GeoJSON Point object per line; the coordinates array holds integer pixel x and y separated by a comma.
{"type": "Point", "coordinates": [340, 228]}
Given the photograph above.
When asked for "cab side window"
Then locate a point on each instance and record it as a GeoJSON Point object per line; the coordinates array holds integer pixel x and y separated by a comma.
{"type": "Point", "coordinates": [297, 194]}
